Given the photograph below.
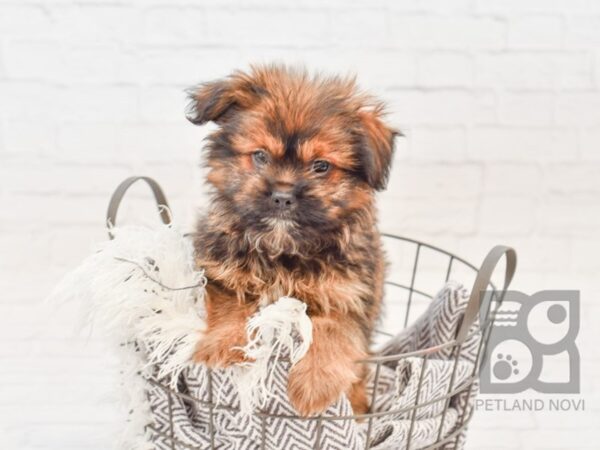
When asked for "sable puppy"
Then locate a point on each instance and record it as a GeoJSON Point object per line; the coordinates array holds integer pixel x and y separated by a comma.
{"type": "Point", "coordinates": [294, 165]}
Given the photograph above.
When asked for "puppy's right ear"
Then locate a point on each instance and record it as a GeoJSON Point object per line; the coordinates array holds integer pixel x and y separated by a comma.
{"type": "Point", "coordinates": [210, 102]}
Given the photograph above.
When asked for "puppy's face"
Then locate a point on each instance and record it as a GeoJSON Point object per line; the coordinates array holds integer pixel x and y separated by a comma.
{"type": "Point", "coordinates": [295, 158]}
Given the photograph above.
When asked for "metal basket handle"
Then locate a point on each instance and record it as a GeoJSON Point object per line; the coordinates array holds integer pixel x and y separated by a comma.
{"type": "Point", "coordinates": [482, 280]}
{"type": "Point", "coordinates": [117, 197]}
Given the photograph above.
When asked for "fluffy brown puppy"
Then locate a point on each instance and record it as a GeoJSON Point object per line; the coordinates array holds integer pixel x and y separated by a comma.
{"type": "Point", "coordinates": [294, 165]}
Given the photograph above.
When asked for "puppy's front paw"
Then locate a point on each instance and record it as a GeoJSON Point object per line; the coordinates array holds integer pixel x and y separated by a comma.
{"type": "Point", "coordinates": [218, 350]}
{"type": "Point", "coordinates": [312, 388]}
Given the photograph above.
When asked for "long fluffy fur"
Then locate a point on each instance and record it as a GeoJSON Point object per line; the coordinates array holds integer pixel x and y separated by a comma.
{"type": "Point", "coordinates": [324, 249]}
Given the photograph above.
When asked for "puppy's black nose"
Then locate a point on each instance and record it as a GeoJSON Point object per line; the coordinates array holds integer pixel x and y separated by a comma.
{"type": "Point", "coordinates": [283, 200]}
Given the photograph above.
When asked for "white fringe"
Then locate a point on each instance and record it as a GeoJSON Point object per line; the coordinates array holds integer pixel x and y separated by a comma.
{"type": "Point", "coordinates": [280, 329]}
{"type": "Point", "coordinates": [142, 287]}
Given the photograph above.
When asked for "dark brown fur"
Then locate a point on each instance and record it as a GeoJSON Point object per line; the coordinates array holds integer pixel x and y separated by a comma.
{"type": "Point", "coordinates": [325, 251]}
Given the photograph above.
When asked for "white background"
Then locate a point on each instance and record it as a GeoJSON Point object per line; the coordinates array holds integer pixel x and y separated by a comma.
{"type": "Point", "coordinates": [499, 100]}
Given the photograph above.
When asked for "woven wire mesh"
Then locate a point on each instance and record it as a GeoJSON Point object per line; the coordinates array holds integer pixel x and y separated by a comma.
{"type": "Point", "coordinates": [417, 271]}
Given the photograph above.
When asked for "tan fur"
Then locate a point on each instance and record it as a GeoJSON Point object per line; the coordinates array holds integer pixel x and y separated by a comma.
{"type": "Point", "coordinates": [226, 321]}
{"type": "Point", "coordinates": [333, 356]}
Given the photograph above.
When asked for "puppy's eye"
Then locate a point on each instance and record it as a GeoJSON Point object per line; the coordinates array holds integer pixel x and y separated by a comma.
{"type": "Point", "coordinates": [260, 157]}
{"type": "Point", "coordinates": [321, 166]}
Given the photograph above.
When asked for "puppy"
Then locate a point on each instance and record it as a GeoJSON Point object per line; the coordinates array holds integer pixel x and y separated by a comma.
{"type": "Point", "coordinates": [294, 166]}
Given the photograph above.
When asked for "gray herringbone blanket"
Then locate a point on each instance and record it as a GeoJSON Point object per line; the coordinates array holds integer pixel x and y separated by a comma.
{"type": "Point", "coordinates": [397, 390]}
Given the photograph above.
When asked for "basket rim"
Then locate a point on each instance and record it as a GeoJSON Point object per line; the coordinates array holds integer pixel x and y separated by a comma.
{"type": "Point", "coordinates": [432, 247]}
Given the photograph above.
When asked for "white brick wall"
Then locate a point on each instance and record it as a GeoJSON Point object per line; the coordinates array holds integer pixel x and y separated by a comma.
{"type": "Point", "coordinates": [499, 99]}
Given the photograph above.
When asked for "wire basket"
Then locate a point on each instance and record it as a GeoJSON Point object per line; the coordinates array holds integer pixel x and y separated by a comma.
{"type": "Point", "coordinates": [417, 271]}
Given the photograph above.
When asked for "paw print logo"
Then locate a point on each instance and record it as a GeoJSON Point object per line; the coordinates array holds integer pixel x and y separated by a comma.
{"type": "Point", "coordinates": [528, 332]}
{"type": "Point", "coordinates": [511, 362]}
{"type": "Point", "coordinates": [505, 367]}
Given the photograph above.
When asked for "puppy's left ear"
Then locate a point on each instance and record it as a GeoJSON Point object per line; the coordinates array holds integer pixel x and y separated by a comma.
{"type": "Point", "coordinates": [378, 143]}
